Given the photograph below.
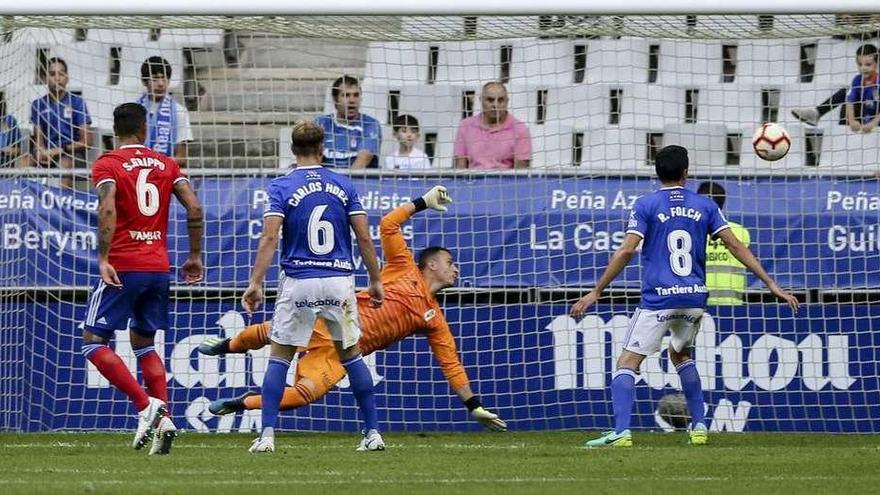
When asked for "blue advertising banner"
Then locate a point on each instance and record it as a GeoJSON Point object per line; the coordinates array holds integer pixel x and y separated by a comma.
{"type": "Point", "coordinates": [510, 231]}
{"type": "Point", "coordinates": [762, 369]}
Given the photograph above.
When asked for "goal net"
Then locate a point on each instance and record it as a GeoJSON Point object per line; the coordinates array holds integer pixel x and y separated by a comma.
{"type": "Point", "coordinates": [589, 101]}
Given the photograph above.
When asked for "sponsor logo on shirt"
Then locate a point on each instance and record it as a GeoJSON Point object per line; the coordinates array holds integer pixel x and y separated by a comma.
{"type": "Point", "coordinates": [148, 236]}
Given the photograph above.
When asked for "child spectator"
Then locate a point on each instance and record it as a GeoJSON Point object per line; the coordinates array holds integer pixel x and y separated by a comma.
{"type": "Point", "coordinates": [407, 156]}
{"type": "Point", "coordinates": [862, 101]}
{"type": "Point", "coordinates": [811, 115]}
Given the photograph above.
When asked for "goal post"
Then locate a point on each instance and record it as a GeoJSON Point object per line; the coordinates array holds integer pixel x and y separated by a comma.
{"type": "Point", "coordinates": [600, 88]}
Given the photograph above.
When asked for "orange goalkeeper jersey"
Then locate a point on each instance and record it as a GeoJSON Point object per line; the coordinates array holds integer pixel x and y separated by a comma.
{"type": "Point", "coordinates": [409, 306]}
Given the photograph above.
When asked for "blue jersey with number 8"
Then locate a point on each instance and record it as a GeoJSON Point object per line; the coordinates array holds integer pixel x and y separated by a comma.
{"type": "Point", "coordinates": [316, 205]}
{"type": "Point", "coordinates": [674, 223]}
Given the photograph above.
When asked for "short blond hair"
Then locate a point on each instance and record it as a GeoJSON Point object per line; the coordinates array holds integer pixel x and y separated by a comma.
{"type": "Point", "coordinates": [307, 138]}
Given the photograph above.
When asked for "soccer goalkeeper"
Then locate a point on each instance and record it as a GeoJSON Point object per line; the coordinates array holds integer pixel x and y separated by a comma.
{"type": "Point", "coordinates": [410, 307]}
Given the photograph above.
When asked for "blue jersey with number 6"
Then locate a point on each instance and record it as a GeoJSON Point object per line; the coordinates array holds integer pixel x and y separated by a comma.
{"type": "Point", "coordinates": [316, 204]}
{"type": "Point", "coordinates": [674, 223]}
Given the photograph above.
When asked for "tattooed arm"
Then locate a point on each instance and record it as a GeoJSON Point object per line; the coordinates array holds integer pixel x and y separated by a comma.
{"type": "Point", "coordinates": [106, 229]}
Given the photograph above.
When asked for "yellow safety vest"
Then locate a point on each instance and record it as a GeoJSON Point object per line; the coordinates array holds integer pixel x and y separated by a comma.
{"type": "Point", "coordinates": [725, 275]}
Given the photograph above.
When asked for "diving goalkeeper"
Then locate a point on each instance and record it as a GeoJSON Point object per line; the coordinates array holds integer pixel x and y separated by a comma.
{"type": "Point", "coordinates": [410, 307]}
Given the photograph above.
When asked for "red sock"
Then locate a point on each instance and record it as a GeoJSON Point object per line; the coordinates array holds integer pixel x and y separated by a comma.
{"type": "Point", "coordinates": [113, 369]}
{"type": "Point", "coordinates": [153, 371]}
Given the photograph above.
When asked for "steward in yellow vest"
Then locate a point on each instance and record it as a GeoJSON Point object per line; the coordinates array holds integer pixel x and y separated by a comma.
{"type": "Point", "coordinates": [725, 275]}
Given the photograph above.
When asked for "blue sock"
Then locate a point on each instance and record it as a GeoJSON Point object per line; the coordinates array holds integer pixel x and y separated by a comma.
{"type": "Point", "coordinates": [273, 389]}
{"type": "Point", "coordinates": [622, 391]}
{"type": "Point", "coordinates": [693, 390]}
{"type": "Point", "coordinates": [362, 386]}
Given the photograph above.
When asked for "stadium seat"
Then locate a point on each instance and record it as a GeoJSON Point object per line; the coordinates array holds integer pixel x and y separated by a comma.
{"type": "Point", "coordinates": [771, 62]}
{"type": "Point", "coordinates": [552, 146]}
{"type": "Point", "coordinates": [844, 151]}
{"type": "Point", "coordinates": [706, 144]}
{"type": "Point", "coordinates": [689, 63]}
{"type": "Point", "coordinates": [542, 63]}
{"type": "Point", "coordinates": [615, 150]}
{"type": "Point", "coordinates": [736, 106]}
{"type": "Point", "coordinates": [468, 62]}
{"type": "Point", "coordinates": [836, 61]}
{"type": "Point", "coordinates": [617, 61]}
{"type": "Point", "coordinates": [396, 63]}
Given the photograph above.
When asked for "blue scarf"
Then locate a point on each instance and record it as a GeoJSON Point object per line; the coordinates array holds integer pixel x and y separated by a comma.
{"type": "Point", "coordinates": [161, 124]}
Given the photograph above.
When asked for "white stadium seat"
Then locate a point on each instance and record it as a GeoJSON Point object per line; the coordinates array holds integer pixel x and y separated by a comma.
{"type": "Point", "coordinates": [706, 144]}
{"type": "Point", "coordinates": [689, 63]}
{"type": "Point", "coordinates": [771, 62]}
{"type": "Point", "coordinates": [621, 61]}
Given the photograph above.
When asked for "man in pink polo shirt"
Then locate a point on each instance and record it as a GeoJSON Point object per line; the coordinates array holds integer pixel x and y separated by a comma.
{"type": "Point", "coordinates": [493, 138]}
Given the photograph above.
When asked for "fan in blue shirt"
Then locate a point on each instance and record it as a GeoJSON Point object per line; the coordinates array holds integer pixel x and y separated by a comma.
{"type": "Point", "coordinates": [351, 139]}
{"type": "Point", "coordinates": [863, 100]}
{"type": "Point", "coordinates": [672, 225]}
{"type": "Point", "coordinates": [61, 122]}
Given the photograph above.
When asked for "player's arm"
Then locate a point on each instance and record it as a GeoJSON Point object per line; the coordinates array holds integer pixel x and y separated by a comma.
{"type": "Point", "coordinates": [394, 246]}
{"type": "Point", "coordinates": [361, 227]}
{"type": "Point", "coordinates": [745, 256]}
{"type": "Point", "coordinates": [253, 296]}
{"type": "Point", "coordinates": [443, 346]}
{"type": "Point", "coordinates": [106, 229]}
{"type": "Point", "coordinates": [618, 262]}
{"type": "Point", "coordinates": [193, 269]}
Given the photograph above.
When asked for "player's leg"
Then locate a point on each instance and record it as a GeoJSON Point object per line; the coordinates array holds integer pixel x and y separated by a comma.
{"type": "Point", "coordinates": [683, 330]}
{"type": "Point", "coordinates": [109, 309]}
{"type": "Point", "coordinates": [150, 314]}
{"type": "Point", "coordinates": [643, 337]}
{"type": "Point", "coordinates": [344, 327]}
{"type": "Point", "coordinates": [317, 372]}
{"type": "Point", "coordinates": [291, 328]}
{"type": "Point", "coordinates": [251, 338]}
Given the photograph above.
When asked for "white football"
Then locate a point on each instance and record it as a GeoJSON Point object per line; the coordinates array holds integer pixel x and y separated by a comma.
{"type": "Point", "coordinates": [771, 141]}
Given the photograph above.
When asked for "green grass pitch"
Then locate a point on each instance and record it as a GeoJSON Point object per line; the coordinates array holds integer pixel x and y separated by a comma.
{"type": "Point", "coordinates": [472, 463]}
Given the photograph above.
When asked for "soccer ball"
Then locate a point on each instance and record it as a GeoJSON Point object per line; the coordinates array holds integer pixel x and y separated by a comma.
{"type": "Point", "coordinates": [771, 141]}
{"type": "Point", "coordinates": [673, 409]}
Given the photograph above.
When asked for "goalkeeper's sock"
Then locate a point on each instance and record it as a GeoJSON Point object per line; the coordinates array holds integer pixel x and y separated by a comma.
{"type": "Point", "coordinates": [622, 391]}
{"type": "Point", "coordinates": [693, 390]}
{"type": "Point", "coordinates": [362, 386]}
{"type": "Point", "coordinates": [113, 369]}
{"type": "Point", "coordinates": [273, 387]}
{"type": "Point", "coordinates": [296, 396]}
{"type": "Point", "coordinates": [153, 371]}
{"type": "Point", "coordinates": [251, 338]}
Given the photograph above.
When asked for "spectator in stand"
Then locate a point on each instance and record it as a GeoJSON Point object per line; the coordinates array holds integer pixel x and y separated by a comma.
{"type": "Point", "coordinates": [812, 115]}
{"type": "Point", "coordinates": [351, 139]}
{"type": "Point", "coordinates": [10, 139]}
{"type": "Point", "coordinates": [493, 138]}
{"type": "Point", "coordinates": [407, 156]}
{"type": "Point", "coordinates": [862, 114]}
{"type": "Point", "coordinates": [61, 123]}
{"type": "Point", "coordinates": [168, 128]}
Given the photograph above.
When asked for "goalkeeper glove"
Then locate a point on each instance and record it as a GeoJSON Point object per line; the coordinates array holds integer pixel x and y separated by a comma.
{"type": "Point", "coordinates": [488, 419]}
{"type": "Point", "coordinates": [436, 198]}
